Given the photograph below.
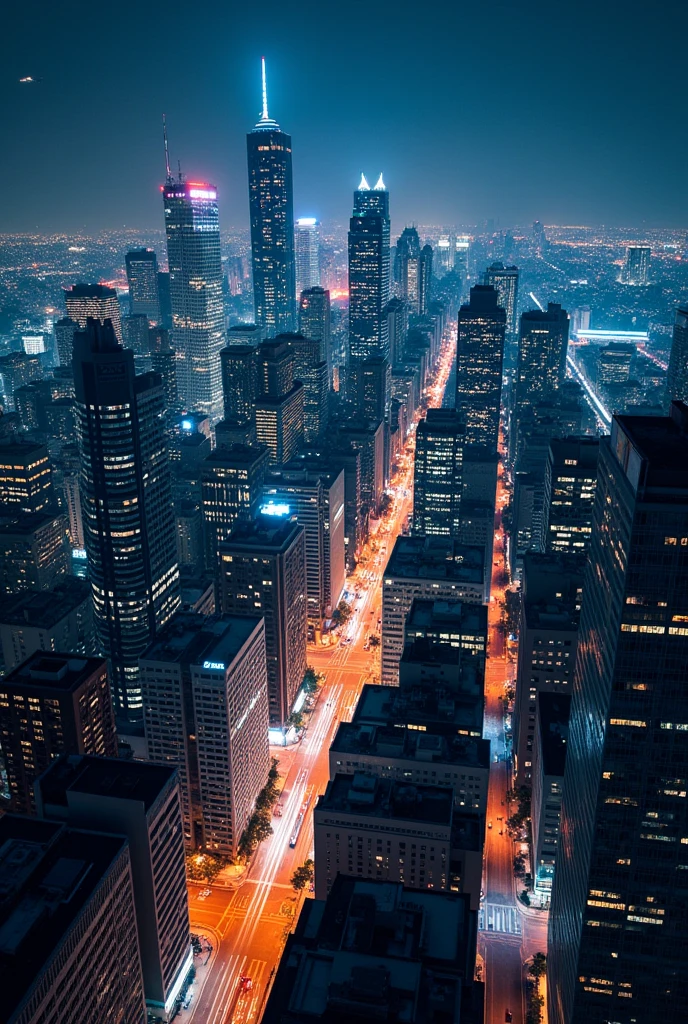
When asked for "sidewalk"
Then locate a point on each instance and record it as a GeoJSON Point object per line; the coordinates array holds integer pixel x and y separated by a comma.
{"type": "Point", "coordinates": [203, 964]}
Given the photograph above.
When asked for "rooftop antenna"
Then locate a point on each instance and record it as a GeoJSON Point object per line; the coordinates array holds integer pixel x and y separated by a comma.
{"type": "Point", "coordinates": [179, 166]}
{"type": "Point", "coordinates": [265, 116]}
{"type": "Point", "coordinates": [168, 175]}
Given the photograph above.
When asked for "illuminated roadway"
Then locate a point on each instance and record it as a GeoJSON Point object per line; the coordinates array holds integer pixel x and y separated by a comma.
{"type": "Point", "coordinates": [248, 926]}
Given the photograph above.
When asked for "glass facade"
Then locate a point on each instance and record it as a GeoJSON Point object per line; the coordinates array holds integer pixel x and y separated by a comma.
{"type": "Point", "coordinates": [480, 352]}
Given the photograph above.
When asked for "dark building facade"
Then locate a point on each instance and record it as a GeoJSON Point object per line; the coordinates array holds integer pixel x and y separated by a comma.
{"type": "Point", "coordinates": [142, 277]}
{"type": "Point", "coordinates": [618, 925]}
{"type": "Point", "coordinates": [126, 504]}
{"type": "Point", "coordinates": [438, 473]}
{"type": "Point", "coordinates": [480, 353]}
{"type": "Point", "coordinates": [271, 206]}
{"type": "Point", "coordinates": [677, 376]}
{"type": "Point", "coordinates": [569, 496]}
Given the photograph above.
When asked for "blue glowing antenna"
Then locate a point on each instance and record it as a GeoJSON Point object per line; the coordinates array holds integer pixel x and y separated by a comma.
{"type": "Point", "coordinates": [265, 115]}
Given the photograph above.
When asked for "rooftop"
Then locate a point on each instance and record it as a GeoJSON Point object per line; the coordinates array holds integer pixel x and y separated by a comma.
{"type": "Point", "coordinates": [48, 873]}
{"type": "Point", "coordinates": [42, 609]}
{"type": "Point", "coordinates": [193, 638]}
{"type": "Point", "coordinates": [422, 707]}
{"type": "Point", "coordinates": [107, 778]}
{"type": "Point", "coordinates": [426, 616]}
{"type": "Point", "coordinates": [31, 522]}
{"type": "Point", "coordinates": [268, 534]}
{"type": "Point", "coordinates": [361, 794]}
{"type": "Point", "coordinates": [661, 444]}
{"type": "Point", "coordinates": [410, 745]}
{"type": "Point", "coordinates": [49, 670]}
{"type": "Point", "coordinates": [437, 558]}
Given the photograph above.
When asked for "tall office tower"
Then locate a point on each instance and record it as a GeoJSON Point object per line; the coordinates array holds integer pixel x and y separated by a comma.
{"type": "Point", "coordinates": [311, 371]}
{"type": "Point", "coordinates": [135, 336]}
{"type": "Point", "coordinates": [428, 567]}
{"type": "Point", "coordinates": [279, 402]}
{"type": "Point", "coordinates": [64, 339]}
{"type": "Point", "coordinates": [505, 280]}
{"type": "Point", "coordinates": [163, 361]}
{"type": "Point", "coordinates": [240, 387]}
{"type": "Point", "coordinates": [314, 323]}
{"type": "Point", "coordinates": [26, 483]}
{"type": "Point", "coordinates": [271, 207]}
{"type": "Point", "coordinates": [548, 635]}
{"type": "Point", "coordinates": [636, 269]}
{"type": "Point", "coordinates": [479, 356]}
{"type": "Point", "coordinates": [369, 279]}
{"type": "Point", "coordinates": [622, 864]}
{"type": "Point", "coordinates": [614, 363]}
{"type": "Point", "coordinates": [126, 505]}
{"type": "Point", "coordinates": [193, 254]}
{"type": "Point", "coordinates": [33, 552]}
{"type": "Point", "coordinates": [413, 271]}
{"type": "Point", "coordinates": [142, 802]}
{"type": "Point", "coordinates": [314, 493]}
{"type": "Point", "coordinates": [438, 473]}
{"type": "Point", "coordinates": [677, 377]}
{"type": "Point", "coordinates": [263, 572]}
{"type": "Point", "coordinates": [60, 619]}
{"type": "Point", "coordinates": [94, 301]}
{"type": "Point", "coordinates": [539, 236]}
{"type": "Point", "coordinates": [204, 683]}
{"type": "Point", "coordinates": [67, 918]}
{"type": "Point", "coordinates": [307, 252]}
{"type": "Point", "coordinates": [52, 704]}
{"type": "Point", "coordinates": [17, 369]}
{"type": "Point", "coordinates": [369, 440]}
{"type": "Point", "coordinates": [165, 299]}
{"type": "Point", "coordinates": [231, 490]}
{"type": "Point", "coordinates": [542, 345]}
{"type": "Point", "coordinates": [142, 275]}
{"type": "Point", "coordinates": [570, 479]}
{"type": "Point", "coordinates": [396, 312]}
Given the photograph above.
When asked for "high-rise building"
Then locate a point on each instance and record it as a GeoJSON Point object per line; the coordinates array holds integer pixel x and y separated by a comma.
{"type": "Point", "coordinates": [17, 369]}
{"type": "Point", "coordinates": [142, 802]}
{"type": "Point", "coordinates": [396, 312]}
{"type": "Point", "coordinates": [314, 323]}
{"type": "Point", "coordinates": [94, 301]}
{"type": "Point", "coordinates": [263, 572]}
{"type": "Point", "coordinates": [307, 252]}
{"type": "Point", "coordinates": [427, 567]}
{"type": "Point", "coordinates": [126, 504]}
{"type": "Point", "coordinates": [505, 280]}
{"type": "Point", "coordinates": [231, 490]}
{"type": "Point", "coordinates": [204, 683]}
{"type": "Point", "coordinates": [246, 334]}
{"type": "Point", "coordinates": [438, 473]}
{"type": "Point", "coordinates": [135, 336]}
{"type": "Point", "coordinates": [413, 271]}
{"type": "Point", "coordinates": [52, 704]}
{"type": "Point", "coordinates": [314, 493]}
{"type": "Point", "coordinates": [25, 476]}
{"type": "Point", "coordinates": [311, 371]}
{"type": "Point", "coordinates": [677, 376]}
{"type": "Point", "coordinates": [542, 345]}
{"type": "Point", "coordinates": [193, 254]}
{"type": "Point", "coordinates": [163, 361]}
{"type": "Point", "coordinates": [479, 357]}
{"type": "Point", "coordinates": [280, 400]}
{"type": "Point", "coordinates": [271, 206]}
{"type": "Point", "coordinates": [60, 619]}
{"type": "Point", "coordinates": [569, 495]}
{"type": "Point", "coordinates": [68, 925]}
{"type": "Point", "coordinates": [636, 269]}
{"type": "Point", "coordinates": [618, 926]}
{"type": "Point", "coordinates": [240, 386]}
{"type": "Point", "coordinates": [369, 279]}
{"type": "Point", "coordinates": [165, 299]}
{"type": "Point", "coordinates": [64, 339]}
{"type": "Point", "coordinates": [549, 762]}
{"type": "Point", "coordinates": [614, 363]}
{"type": "Point", "coordinates": [142, 276]}
{"type": "Point", "coordinates": [33, 552]}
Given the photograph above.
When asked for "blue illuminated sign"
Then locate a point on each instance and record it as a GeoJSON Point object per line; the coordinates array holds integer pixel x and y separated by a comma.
{"type": "Point", "coordinates": [272, 508]}
{"type": "Point", "coordinates": [214, 665]}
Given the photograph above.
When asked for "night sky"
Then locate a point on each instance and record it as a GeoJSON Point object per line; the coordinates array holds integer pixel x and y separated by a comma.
{"type": "Point", "coordinates": [570, 112]}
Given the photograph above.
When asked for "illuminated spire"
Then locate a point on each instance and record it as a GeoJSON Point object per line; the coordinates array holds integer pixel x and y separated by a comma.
{"type": "Point", "coordinates": [364, 186]}
{"type": "Point", "coordinates": [380, 186]}
{"type": "Point", "coordinates": [266, 116]}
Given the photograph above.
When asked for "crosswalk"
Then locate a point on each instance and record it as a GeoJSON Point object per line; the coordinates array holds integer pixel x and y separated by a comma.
{"type": "Point", "coordinates": [495, 917]}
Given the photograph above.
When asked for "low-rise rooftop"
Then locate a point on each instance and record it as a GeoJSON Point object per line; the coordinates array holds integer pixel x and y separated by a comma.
{"type": "Point", "coordinates": [42, 609]}
{"type": "Point", "coordinates": [422, 708]}
{"type": "Point", "coordinates": [441, 558]}
{"type": "Point", "coordinates": [367, 795]}
{"type": "Point", "coordinates": [107, 778]}
{"type": "Point", "coordinates": [51, 670]}
{"type": "Point", "coordinates": [410, 744]}
{"type": "Point", "coordinates": [193, 638]}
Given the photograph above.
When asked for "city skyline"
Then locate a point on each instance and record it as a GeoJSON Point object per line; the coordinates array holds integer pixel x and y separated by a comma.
{"type": "Point", "coordinates": [210, 114]}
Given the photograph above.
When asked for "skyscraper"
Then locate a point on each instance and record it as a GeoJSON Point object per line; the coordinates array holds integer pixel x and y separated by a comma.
{"type": "Point", "coordinates": [311, 371]}
{"type": "Point", "coordinates": [480, 351]}
{"type": "Point", "coordinates": [240, 387]}
{"type": "Point", "coordinates": [618, 927]}
{"type": "Point", "coordinates": [413, 271]}
{"type": "Point", "coordinates": [542, 345]}
{"type": "Point", "coordinates": [163, 361]}
{"type": "Point", "coordinates": [307, 251]}
{"type": "Point", "coordinates": [280, 401]}
{"type": "Point", "coordinates": [369, 272]}
{"type": "Point", "coordinates": [636, 269]}
{"type": "Point", "coordinates": [314, 322]}
{"type": "Point", "coordinates": [26, 479]}
{"type": "Point", "coordinates": [193, 254]}
{"type": "Point", "coordinates": [271, 206]}
{"type": "Point", "coordinates": [438, 478]}
{"type": "Point", "coordinates": [569, 495]}
{"type": "Point", "coordinates": [97, 301]}
{"type": "Point", "coordinates": [64, 339]}
{"type": "Point", "coordinates": [126, 504]}
{"type": "Point", "coordinates": [677, 377]}
{"type": "Point", "coordinates": [142, 275]}
{"type": "Point", "coordinates": [505, 280]}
